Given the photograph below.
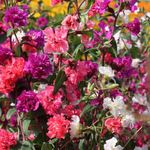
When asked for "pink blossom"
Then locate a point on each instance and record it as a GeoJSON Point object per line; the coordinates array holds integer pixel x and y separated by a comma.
{"type": "Point", "coordinates": [114, 125]}
{"type": "Point", "coordinates": [50, 102]}
{"type": "Point", "coordinates": [71, 22]}
{"type": "Point", "coordinates": [57, 126]}
{"type": "Point", "coordinates": [54, 2]}
{"type": "Point", "coordinates": [56, 40]}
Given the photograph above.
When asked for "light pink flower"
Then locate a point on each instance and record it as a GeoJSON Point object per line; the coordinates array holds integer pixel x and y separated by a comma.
{"type": "Point", "coordinates": [56, 40]}
{"type": "Point", "coordinates": [71, 22]}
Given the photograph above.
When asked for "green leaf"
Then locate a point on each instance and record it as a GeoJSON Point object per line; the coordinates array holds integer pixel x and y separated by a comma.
{"type": "Point", "coordinates": [9, 32]}
{"type": "Point", "coordinates": [26, 124]}
{"type": "Point", "coordinates": [47, 146]}
{"type": "Point", "coordinates": [81, 144]}
{"type": "Point", "coordinates": [18, 51]}
{"type": "Point", "coordinates": [61, 77]}
{"type": "Point", "coordinates": [26, 146]}
{"type": "Point", "coordinates": [10, 113]}
{"type": "Point", "coordinates": [76, 52]}
{"type": "Point", "coordinates": [3, 37]}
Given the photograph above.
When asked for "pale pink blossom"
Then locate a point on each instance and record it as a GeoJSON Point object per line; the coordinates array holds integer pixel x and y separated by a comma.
{"type": "Point", "coordinates": [56, 40]}
{"type": "Point", "coordinates": [71, 22]}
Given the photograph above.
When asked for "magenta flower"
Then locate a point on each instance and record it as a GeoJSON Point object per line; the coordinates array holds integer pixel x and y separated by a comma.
{"type": "Point", "coordinates": [134, 26]}
{"type": "Point", "coordinates": [42, 22]}
{"type": "Point", "coordinates": [38, 65]}
{"type": "Point", "coordinates": [16, 16]}
{"type": "Point", "coordinates": [27, 101]}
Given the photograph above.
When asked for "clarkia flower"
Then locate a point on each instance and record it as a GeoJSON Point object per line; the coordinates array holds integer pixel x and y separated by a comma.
{"type": "Point", "coordinates": [56, 40]}
{"type": "Point", "coordinates": [27, 101]}
{"type": "Point", "coordinates": [75, 126]}
{"type": "Point", "coordinates": [111, 144]}
{"type": "Point", "coordinates": [99, 7]}
{"type": "Point", "coordinates": [51, 102]}
{"type": "Point", "coordinates": [38, 65]}
{"type": "Point", "coordinates": [42, 22]}
{"type": "Point", "coordinates": [71, 22]}
{"type": "Point", "coordinates": [10, 73]}
{"type": "Point", "coordinates": [37, 36]}
{"type": "Point", "coordinates": [7, 139]}
{"type": "Point", "coordinates": [114, 125]}
{"type": "Point", "coordinates": [16, 16]}
{"type": "Point", "coordinates": [5, 54]}
{"type": "Point", "coordinates": [134, 26]}
{"type": "Point", "coordinates": [58, 126]}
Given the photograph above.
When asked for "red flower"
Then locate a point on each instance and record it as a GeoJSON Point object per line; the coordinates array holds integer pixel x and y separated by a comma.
{"type": "Point", "coordinates": [114, 125]}
{"type": "Point", "coordinates": [7, 140]}
{"type": "Point", "coordinates": [57, 127]}
{"type": "Point", "coordinates": [10, 73]}
{"type": "Point", "coordinates": [50, 102]}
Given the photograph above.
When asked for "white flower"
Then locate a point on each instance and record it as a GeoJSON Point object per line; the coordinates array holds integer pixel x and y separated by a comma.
{"type": "Point", "coordinates": [141, 99]}
{"type": "Point", "coordinates": [117, 106]}
{"type": "Point", "coordinates": [135, 62]}
{"type": "Point", "coordinates": [75, 126]}
{"type": "Point", "coordinates": [128, 120]}
{"type": "Point", "coordinates": [111, 145]}
{"type": "Point", "coordinates": [19, 35]}
{"type": "Point", "coordinates": [144, 147]}
{"type": "Point", "coordinates": [107, 71]}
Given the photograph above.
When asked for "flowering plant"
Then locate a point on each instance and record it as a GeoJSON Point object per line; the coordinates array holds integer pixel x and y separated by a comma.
{"type": "Point", "coordinates": [77, 79]}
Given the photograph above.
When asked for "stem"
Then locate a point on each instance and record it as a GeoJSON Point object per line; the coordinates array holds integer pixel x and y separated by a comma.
{"type": "Point", "coordinates": [21, 126]}
{"type": "Point", "coordinates": [132, 137]}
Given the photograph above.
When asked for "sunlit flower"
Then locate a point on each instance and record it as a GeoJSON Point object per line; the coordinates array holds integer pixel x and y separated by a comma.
{"type": "Point", "coordinates": [75, 126]}
{"type": "Point", "coordinates": [111, 145]}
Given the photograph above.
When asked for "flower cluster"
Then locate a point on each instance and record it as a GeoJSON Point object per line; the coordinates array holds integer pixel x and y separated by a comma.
{"type": "Point", "coordinates": [79, 80]}
{"type": "Point", "coordinates": [16, 16]}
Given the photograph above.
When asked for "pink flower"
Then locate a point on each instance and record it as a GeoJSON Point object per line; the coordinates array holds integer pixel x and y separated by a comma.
{"type": "Point", "coordinates": [57, 127]}
{"type": "Point", "coordinates": [50, 102]}
{"type": "Point", "coordinates": [114, 125]}
{"type": "Point", "coordinates": [71, 22]}
{"type": "Point", "coordinates": [56, 40]}
{"type": "Point", "coordinates": [54, 2]}
{"type": "Point", "coordinates": [10, 73]}
{"type": "Point", "coordinates": [7, 139]}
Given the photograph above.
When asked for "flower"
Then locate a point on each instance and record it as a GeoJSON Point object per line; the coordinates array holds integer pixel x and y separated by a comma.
{"type": "Point", "coordinates": [128, 120]}
{"type": "Point", "coordinates": [56, 40]}
{"type": "Point", "coordinates": [134, 26]}
{"type": "Point", "coordinates": [38, 65]}
{"type": "Point", "coordinates": [113, 124]}
{"type": "Point", "coordinates": [50, 102]}
{"type": "Point", "coordinates": [144, 147]}
{"type": "Point", "coordinates": [135, 62]}
{"type": "Point", "coordinates": [7, 139]}
{"type": "Point", "coordinates": [10, 73]}
{"type": "Point", "coordinates": [111, 144]}
{"type": "Point", "coordinates": [117, 106]}
{"type": "Point", "coordinates": [37, 36]}
{"type": "Point", "coordinates": [5, 54]}
{"type": "Point", "coordinates": [42, 22]}
{"type": "Point", "coordinates": [57, 126]}
{"type": "Point", "coordinates": [27, 101]}
{"type": "Point", "coordinates": [107, 71]}
{"type": "Point", "coordinates": [99, 7]}
{"type": "Point", "coordinates": [16, 16]}
{"type": "Point", "coordinates": [54, 2]}
{"type": "Point", "coordinates": [75, 126]}
{"type": "Point", "coordinates": [71, 22]}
